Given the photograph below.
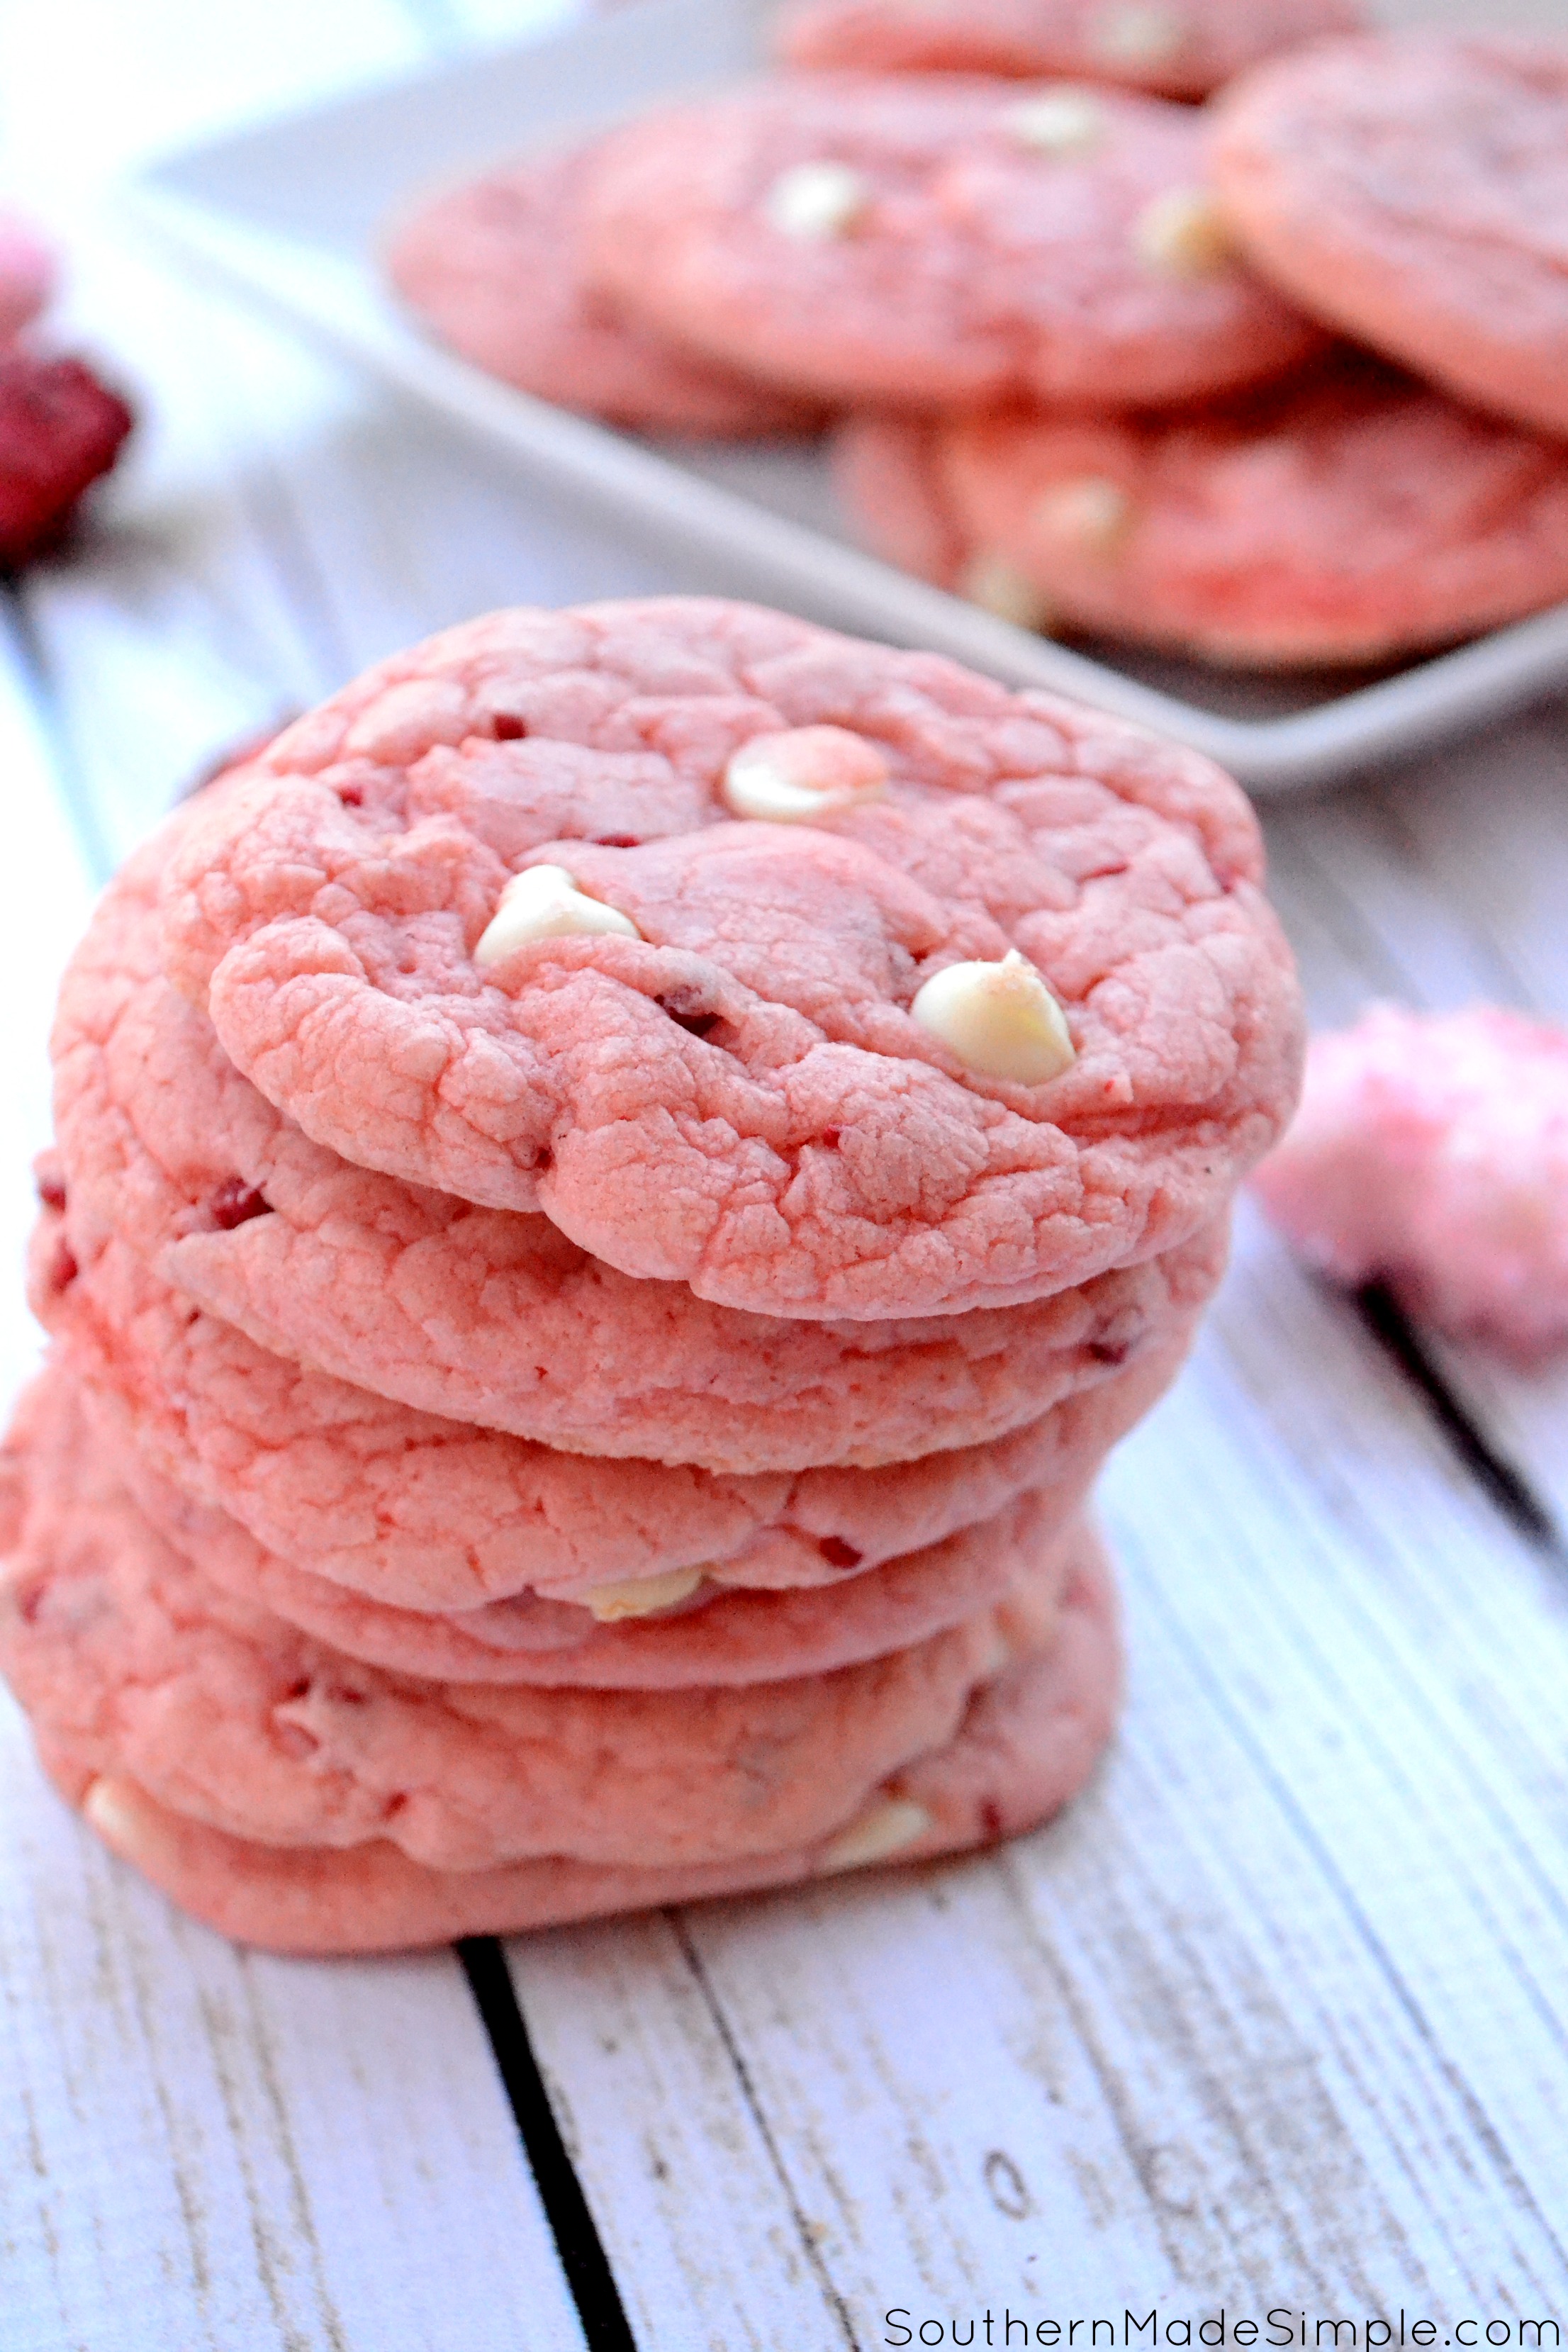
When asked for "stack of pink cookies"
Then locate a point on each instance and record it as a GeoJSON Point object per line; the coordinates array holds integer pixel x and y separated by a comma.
{"type": "Point", "coordinates": [613, 1188]}
{"type": "Point", "coordinates": [1275, 380]}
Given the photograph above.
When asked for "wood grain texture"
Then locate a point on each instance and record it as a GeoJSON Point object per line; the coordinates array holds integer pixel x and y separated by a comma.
{"type": "Point", "coordinates": [206, 2148]}
{"type": "Point", "coordinates": [1278, 2015]}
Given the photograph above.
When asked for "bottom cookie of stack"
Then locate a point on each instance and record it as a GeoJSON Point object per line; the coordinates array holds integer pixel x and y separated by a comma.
{"type": "Point", "coordinates": [302, 1800]}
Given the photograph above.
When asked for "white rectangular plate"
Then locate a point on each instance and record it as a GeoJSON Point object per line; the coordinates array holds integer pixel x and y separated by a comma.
{"type": "Point", "coordinates": [289, 213]}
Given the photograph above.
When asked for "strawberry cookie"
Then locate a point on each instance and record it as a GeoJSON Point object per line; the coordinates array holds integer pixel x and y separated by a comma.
{"type": "Point", "coordinates": [931, 243]}
{"type": "Point", "coordinates": [678, 1633]}
{"type": "Point", "coordinates": [130, 1662]}
{"type": "Point", "coordinates": [828, 981]}
{"type": "Point", "coordinates": [1346, 519]}
{"type": "Point", "coordinates": [421, 1298]}
{"type": "Point", "coordinates": [171, 1712]}
{"type": "Point", "coordinates": [1413, 189]}
{"type": "Point", "coordinates": [431, 1516]}
{"type": "Point", "coordinates": [1178, 49]}
{"type": "Point", "coordinates": [493, 270]}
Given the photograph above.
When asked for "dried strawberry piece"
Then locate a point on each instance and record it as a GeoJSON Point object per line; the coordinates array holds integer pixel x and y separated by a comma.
{"type": "Point", "coordinates": [60, 430]}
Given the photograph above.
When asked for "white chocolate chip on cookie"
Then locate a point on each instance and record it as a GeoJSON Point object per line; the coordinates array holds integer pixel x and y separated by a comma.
{"type": "Point", "coordinates": [1000, 1019]}
{"type": "Point", "coordinates": [1090, 512]}
{"type": "Point", "coordinates": [543, 902]}
{"type": "Point", "coordinates": [881, 1830]}
{"type": "Point", "coordinates": [817, 201]}
{"type": "Point", "coordinates": [1182, 233]}
{"type": "Point", "coordinates": [642, 1596]}
{"type": "Point", "coordinates": [803, 773]}
{"type": "Point", "coordinates": [1056, 122]}
{"type": "Point", "coordinates": [999, 587]}
{"type": "Point", "coordinates": [1137, 33]}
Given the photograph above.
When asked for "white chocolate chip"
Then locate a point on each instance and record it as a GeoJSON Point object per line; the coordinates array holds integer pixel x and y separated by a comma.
{"type": "Point", "coordinates": [1057, 122]}
{"type": "Point", "coordinates": [1137, 35]}
{"type": "Point", "coordinates": [998, 587]}
{"type": "Point", "coordinates": [641, 1596]}
{"type": "Point", "coordinates": [1000, 1019]}
{"type": "Point", "coordinates": [815, 202]}
{"type": "Point", "coordinates": [881, 1830]}
{"type": "Point", "coordinates": [1091, 512]}
{"type": "Point", "coordinates": [802, 773]}
{"type": "Point", "coordinates": [1183, 232]}
{"type": "Point", "coordinates": [542, 902]}
{"type": "Point", "coordinates": [110, 1806]}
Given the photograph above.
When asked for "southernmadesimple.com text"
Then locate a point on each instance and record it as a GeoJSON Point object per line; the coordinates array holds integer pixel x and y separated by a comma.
{"type": "Point", "coordinates": [1298, 2330]}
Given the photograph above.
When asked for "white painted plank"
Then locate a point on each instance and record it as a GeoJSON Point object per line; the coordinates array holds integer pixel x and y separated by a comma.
{"type": "Point", "coordinates": [206, 2148]}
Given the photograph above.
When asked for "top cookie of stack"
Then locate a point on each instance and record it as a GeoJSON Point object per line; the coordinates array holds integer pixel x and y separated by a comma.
{"type": "Point", "coordinates": [615, 1187]}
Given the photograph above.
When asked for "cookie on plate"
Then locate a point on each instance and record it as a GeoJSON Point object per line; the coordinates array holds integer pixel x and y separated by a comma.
{"type": "Point", "coordinates": [1413, 189]}
{"type": "Point", "coordinates": [841, 984]}
{"type": "Point", "coordinates": [1177, 48]}
{"type": "Point", "coordinates": [493, 270]}
{"type": "Point", "coordinates": [930, 242]}
{"type": "Point", "coordinates": [1431, 1153]}
{"type": "Point", "coordinates": [1346, 520]}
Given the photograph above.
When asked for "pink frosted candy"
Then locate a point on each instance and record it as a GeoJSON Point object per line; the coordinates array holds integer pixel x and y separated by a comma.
{"type": "Point", "coordinates": [1433, 1154]}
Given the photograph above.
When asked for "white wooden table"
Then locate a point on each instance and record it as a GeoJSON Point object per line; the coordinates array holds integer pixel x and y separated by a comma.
{"type": "Point", "coordinates": [1277, 2019]}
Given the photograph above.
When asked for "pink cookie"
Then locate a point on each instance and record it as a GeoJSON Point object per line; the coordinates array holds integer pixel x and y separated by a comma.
{"type": "Point", "coordinates": [130, 1663]}
{"type": "Point", "coordinates": [424, 1515]}
{"type": "Point", "coordinates": [492, 268]}
{"type": "Point", "coordinates": [1025, 1746]}
{"type": "Point", "coordinates": [1180, 48]}
{"type": "Point", "coordinates": [741, 1097]}
{"type": "Point", "coordinates": [711, 1638]}
{"type": "Point", "coordinates": [1413, 189]}
{"type": "Point", "coordinates": [888, 479]}
{"type": "Point", "coordinates": [28, 274]}
{"type": "Point", "coordinates": [1432, 1153]}
{"type": "Point", "coordinates": [932, 243]}
{"type": "Point", "coordinates": [1350, 518]}
{"type": "Point", "coordinates": [422, 1297]}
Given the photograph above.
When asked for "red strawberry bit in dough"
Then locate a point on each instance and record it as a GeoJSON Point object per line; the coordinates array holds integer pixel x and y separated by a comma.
{"type": "Point", "coordinates": [332, 942]}
{"type": "Point", "coordinates": [129, 1662]}
{"type": "Point", "coordinates": [1343, 519]}
{"type": "Point", "coordinates": [973, 267]}
{"type": "Point", "coordinates": [60, 430]}
{"type": "Point", "coordinates": [1413, 189]}
{"type": "Point", "coordinates": [424, 1515]}
{"type": "Point", "coordinates": [422, 1297]}
{"type": "Point", "coordinates": [1432, 1153]}
{"type": "Point", "coordinates": [493, 269]}
{"type": "Point", "coordinates": [1180, 48]}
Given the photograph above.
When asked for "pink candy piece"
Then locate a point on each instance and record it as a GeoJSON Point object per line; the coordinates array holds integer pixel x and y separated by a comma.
{"type": "Point", "coordinates": [1432, 1153]}
{"type": "Point", "coordinates": [28, 274]}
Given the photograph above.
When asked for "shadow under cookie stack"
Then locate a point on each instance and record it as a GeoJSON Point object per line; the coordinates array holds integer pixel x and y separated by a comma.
{"type": "Point", "coordinates": [612, 1190]}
